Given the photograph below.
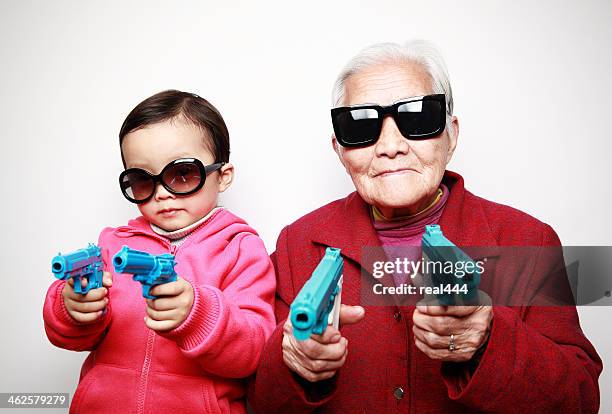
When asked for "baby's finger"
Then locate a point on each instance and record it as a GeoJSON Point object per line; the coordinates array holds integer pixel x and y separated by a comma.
{"type": "Point", "coordinates": [167, 289]}
{"type": "Point", "coordinates": [85, 317]}
{"type": "Point", "coordinates": [70, 282]}
{"type": "Point", "coordinates": [159, 325]}
{"type": "Point", "coordinates": [162, 304]}
{"type": "Point", "coordinates": [69, 293]}
{"type": "Point", "coordinates": [88, 307]}
{"type": "Point", "coordinates": [161, 315]}
{"type": "Point", "coordinates": [107, 279]}
{"type": "Point", "coordinates": [93, 295]}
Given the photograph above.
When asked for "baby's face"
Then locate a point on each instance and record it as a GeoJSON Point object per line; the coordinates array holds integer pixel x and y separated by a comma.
{"type": "Point", "coordinates": [152, 148]}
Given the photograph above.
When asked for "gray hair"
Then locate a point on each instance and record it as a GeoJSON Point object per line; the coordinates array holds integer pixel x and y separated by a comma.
{"type": "Point", "coordinates": [421, 52]}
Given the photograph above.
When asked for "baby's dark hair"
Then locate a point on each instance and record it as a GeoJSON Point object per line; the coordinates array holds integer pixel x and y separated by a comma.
{"type": "Point", "coordinates": [171, 104]}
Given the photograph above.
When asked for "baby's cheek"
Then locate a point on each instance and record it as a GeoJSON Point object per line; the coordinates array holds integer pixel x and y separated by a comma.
{"type": "Point", "coordinates": [147, 212]}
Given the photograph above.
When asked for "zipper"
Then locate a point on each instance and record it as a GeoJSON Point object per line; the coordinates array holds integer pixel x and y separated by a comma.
{"type": "Point", "coordinates": [146, 365]}
{"type": "Point", "coordinates": [144, 373]}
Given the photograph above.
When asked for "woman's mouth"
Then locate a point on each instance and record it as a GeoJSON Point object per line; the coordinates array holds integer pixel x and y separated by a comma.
{"type": "Point", "coordinates": [394, 172]}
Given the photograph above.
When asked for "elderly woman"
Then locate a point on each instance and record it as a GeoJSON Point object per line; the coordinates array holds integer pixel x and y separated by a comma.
{"type": "Point", "coordinates": [394, 133]}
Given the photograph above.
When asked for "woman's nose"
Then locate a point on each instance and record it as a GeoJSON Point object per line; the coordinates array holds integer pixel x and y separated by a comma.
{"type": "Point", "coordinates": [391, 142]}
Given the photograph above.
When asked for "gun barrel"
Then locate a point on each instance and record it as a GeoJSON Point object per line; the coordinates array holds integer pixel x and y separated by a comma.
{"type": "Point", "coordinates": [146, 268]}
{"type": "Point", "coordinates": [314, 301]}
{"type": "Point", "coordinates": [437, 248]}
{"type": "Point", "coordinates": [133, 261]}
{"type": "Point", "coordinates": [64, 264]}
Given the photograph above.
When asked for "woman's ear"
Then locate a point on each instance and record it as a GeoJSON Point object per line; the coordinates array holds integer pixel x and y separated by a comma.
{"type": "Point", "coordinates": [337, 149]}
{"type": "Point", "coordinates": [453, 135]}
{"type": "Point", "coordinates": [334, 143]}
{"type": "Point", "coordinates": [226, 176]}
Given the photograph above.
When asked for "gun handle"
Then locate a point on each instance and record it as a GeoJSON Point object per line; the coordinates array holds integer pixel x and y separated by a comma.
{"type": "Point", "coordinates": [94, 280]}
{"type": "Point", "coordinates": [145, 291]}
{"type": "Point", "coordinates": [77, 286]}
{"type": "Point", "coordinates": [147, 285]}
{"type": "Point", "coordinates": [334, 316]}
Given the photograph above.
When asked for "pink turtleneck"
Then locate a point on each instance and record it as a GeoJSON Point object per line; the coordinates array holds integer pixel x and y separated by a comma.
{"type": "Point", "coordinates": [397, 235]}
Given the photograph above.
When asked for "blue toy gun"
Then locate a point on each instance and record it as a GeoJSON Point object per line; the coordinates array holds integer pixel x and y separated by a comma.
{"type": "Point", "coordinates": [148, 269]}
{"type": "Point", "coordinates": [318, 303]}
{"type": "Point", "coordinates": [81, 263]}
{"type": "Point", "coordinates": [451, 289]}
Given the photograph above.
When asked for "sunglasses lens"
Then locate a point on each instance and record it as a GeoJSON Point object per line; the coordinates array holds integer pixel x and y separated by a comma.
{"type": "Point", "coordinates": [182, 177]}
{"type": "Point", "coordinates": [357, 127]}
{"type": "Point", "coordinates": [420, 119]}
{"type": "Point", "coordinates": [137, 185]}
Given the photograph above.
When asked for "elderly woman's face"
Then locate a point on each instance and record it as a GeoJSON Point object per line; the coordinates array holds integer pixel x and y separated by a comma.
{"type": "Point", "coordinates": [397, 175]}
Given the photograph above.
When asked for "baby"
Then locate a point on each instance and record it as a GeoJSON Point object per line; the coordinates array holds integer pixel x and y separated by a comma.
{"type": "Point", "coordinates": [189, 349]}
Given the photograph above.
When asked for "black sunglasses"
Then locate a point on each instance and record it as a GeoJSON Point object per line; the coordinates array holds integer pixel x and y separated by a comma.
{"type": "Point", "coordinates": [417, 118]}
{"type": "Point", "coordinates": [180, 177]}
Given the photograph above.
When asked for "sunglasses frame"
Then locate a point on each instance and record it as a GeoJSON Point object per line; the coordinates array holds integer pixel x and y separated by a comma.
{"type": "Point", "coordinates": [393, 111]}
{"type": "Point", "coordinates": [204, 171]}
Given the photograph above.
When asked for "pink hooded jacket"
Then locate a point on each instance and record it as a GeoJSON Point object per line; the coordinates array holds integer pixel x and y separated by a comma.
{"type": "Point", "coordinates": [198, 366]}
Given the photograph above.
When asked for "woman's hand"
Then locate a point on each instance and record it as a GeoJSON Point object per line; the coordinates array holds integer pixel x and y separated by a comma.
{"type": "Point", "coordinates": [172, 306]}
{"type": "Point", "coordinates": [468, 325]}
{"type": "Point", "coordinates": [320, 356]}
{"type": "Point", "coordinates": [90, 307]}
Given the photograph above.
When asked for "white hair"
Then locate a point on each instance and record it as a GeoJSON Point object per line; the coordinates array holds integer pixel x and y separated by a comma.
{"type": "Point", "coordinates": [420, 52]}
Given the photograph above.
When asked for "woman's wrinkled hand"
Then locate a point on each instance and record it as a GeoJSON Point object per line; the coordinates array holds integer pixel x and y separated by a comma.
{"type": "Point", "coordinates": [319, 357]}
{"type": "Point", "coordinates": [469, 326]}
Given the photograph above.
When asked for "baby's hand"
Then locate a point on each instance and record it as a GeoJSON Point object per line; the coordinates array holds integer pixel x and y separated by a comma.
{"type": "Point", "coordinates": [87, 308]}
{"type": "Point", "coordinates": [172, 306]}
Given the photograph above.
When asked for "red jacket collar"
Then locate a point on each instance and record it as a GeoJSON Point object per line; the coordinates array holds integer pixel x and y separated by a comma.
{"type": "Point", "coordinates": [349, 226]}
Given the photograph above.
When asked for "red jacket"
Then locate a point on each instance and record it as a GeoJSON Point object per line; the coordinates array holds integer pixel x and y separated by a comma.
{"type": "Point", "coordinates": [197, 366]}
{"type": "Point", "coordinates": [537, 359]}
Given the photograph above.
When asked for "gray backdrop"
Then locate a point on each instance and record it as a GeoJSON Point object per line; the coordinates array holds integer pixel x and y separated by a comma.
{"type": "Point", "coordinates": [532, 92]}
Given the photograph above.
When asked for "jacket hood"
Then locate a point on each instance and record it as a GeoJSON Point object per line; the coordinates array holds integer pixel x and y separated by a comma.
{"type": "Point", "coordinates": [222, 223]}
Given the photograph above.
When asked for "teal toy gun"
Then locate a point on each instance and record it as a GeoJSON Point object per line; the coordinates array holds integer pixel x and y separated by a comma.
{"type": "Point", "coordinates": [148, 269]}
{"type": "Point", "coordinates": [318, 302]}
{"type": "Point", "coordinates": [81, 263]}
{"type": "Point", "coordinates": [441, 253]}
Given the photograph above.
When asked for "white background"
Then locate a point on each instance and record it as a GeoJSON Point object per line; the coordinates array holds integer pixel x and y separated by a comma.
{"type": "Point", "coordinates": [532, 91]}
